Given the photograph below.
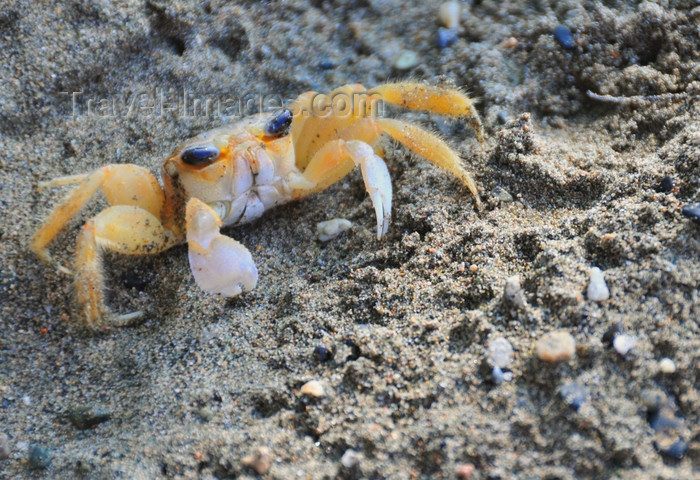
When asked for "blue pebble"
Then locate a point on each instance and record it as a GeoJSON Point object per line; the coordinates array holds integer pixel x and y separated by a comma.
{"type": "Point", "coordinates": [497, 374]}
{"type": "Point", "coordinates": [39, 457]}
{"type": "Point", "coordinates": [446, 37]}
{"type": "Point", "coordinates": [322, 354]}
{"type": "Point", "coordinates": [664, 421]}
{"type": "Point", "coordinates": [564, 36]}
{"type": "Point", "coordinates": [676, 450]}
{"type": "Point", "coordinates": [692, 211]}
{"type": "Point", "coordinates": [573, 394]}
{"type": "Point", "coordinates": [327, 65]}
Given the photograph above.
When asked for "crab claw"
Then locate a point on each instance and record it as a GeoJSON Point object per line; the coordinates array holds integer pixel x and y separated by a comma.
{"type": "Point", "coordinates": [377, 182]}
{"type": "Point", "coordinates": [219, 263]}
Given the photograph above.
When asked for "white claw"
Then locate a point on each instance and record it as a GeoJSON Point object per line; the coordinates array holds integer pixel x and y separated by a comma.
{"type": "Point", "coordinates": [219, 263]}
{"type": "Point", "coordinates": [377, 182]}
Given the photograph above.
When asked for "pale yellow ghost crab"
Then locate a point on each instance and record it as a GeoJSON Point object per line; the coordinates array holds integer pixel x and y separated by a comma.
{"type": "Point", "coordinates": [231, 175]}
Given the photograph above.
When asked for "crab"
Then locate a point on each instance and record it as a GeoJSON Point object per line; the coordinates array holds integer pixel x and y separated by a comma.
{"type": "Point", "coordinates": [231, 175]}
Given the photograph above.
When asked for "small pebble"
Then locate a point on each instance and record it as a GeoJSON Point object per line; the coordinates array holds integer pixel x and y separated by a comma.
{"type": "Point", "coordinates": [39, 457]}
{"type": "Point", "coordinates": [557, 346]}
{"type": "Point", "coordinates": [502, 117]}
{"type": "Point", "coordinates": [4, 446]}
{"type": "Point", "coordinates": [597, 288]}
{"type": "Point", "coordinates": [510, 42]}
{"type": "Point", "coordinates": [654, 400]}
{"type": "Point", "coordinates": [564, 36]}
{"type": "Point", "coordinates": [407, 59]}
{"type": "Point", "coordinates": [327, 64]}
{"type": "Point", "coordinates": [573, 394]}
{"type": "Point", "coordinates": [351, 458]}
{"type": "Point", "coordinates": [205, 413]}
{"type": "Point", "coordinates": [446, 37]}
{"type": "Point", "coordinates": [692, 211]}
{"type": "Point", "coordinates": [500, 353]}
{"type": "Point", "coordinates": [502, 194]}
{"type": "Point", "coordinates": [465, 470]}
{"type": "Point", "coordinates": [449, 14]}
{"type": "Point", "coordinates": [666, 184]}
{"type": "Point", "coordinates": [675, 450]}
{"type": "Point", "coordinates": [497, 376]}
{"type": "Point", "coordinates": [85, 417]}
{"type": "Point", "coordinates": [665, 420]}
{"type": "Point", "coordinates": [666, 365]}
{"type": "Point", "coordinates": [330, 229]}
{"type": "Point", "coordinates": [260, 460]}
{"type": "Point", "coordinates": [613, 330]}
{"type": "Point", "coordinates": [313, 388]}
{"type": "Point", "coordinates": [624, 343]}
{"type": "Point", "coordinates": [322, 354]}
{"type": "Point", "coordinates": [513, 294]}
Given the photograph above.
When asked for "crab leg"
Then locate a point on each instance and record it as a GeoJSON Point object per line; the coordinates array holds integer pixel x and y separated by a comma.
{"type": "Point", "coordinates": [337, 159]}
{"type": "Point", "coordinates": [440, 100]}
{"type": "Point", "coordinates": [122, 184]}
{"type": "Point", "coordinates": [124, 229]}
{"type": "Point", "coordinates": [219, 263]}
{"type": "Point", "coordinates": [325, 116]}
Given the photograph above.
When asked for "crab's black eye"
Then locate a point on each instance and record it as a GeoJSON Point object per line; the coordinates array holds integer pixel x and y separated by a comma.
{"type": "Point", "coordinates": [278, 126]}
{"type": "Point", "coordinates": [198, 156]}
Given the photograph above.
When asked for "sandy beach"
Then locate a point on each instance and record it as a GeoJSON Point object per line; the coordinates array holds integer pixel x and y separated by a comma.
{"type": "Point", "coordinates": [553, 334]}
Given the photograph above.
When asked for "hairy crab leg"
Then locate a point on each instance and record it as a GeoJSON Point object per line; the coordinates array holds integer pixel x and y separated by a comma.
{"type": "Point", "coordinates": [122, 184]}
{"type": "Point", "coordinates": [124, 229]}
{"type": "Point", "coordinates": [441, 100]}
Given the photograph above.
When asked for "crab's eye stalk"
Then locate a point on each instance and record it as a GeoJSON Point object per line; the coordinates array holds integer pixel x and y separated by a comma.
{"type": "Point", "coordinates": [198, 156]}
{"type": "Point", "coordinates": [278, 126]}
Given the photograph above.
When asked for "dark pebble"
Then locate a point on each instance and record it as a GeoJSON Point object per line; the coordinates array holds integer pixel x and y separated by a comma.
{"type": "Point", "coordinates": [564, 36]}
{"type": "Point", "coordinates": [666, 184]}
{"type": "Point", "coordinates": [84, 418]}
{"type": "Point", "coordinates": [39, 457]}
{"type": "Point", "coordinates": [613, 331]}
{"type": "Point", "coordinates": [573, 394]}
{"type": "Point", "coordinates": [446, 37]}
{"type": "Point", "coordinates": [502, 117]}
{"type": "Point", "coordinates": [676, 450]}
{"type": "Point", "coordinates": [217, 397]}
{"type": "Point", "coordinates": [327, 65]}
{"type": "Point", "coordinates": [355, 351]}
{"type": "Point", "coordinates": [322, 354]}
{"type": "Point", "coordinates": [692, 211]}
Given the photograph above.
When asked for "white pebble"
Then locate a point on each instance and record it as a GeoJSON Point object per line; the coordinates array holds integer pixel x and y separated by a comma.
{"type": "Point", "coordinates": [351, 458]}
{"type": "Point", "coordinates": [313, 388]}
{"type": "Point", "coordinates": [406, 59]}
{"type": "Point", "coordinates": [513, 293]}
{"type": "Point", "coordinates": [330, 229]}
{"type": "Point", "coordinates": [500, 353]}
{"type": "Point", "coordinates": [666, 365]}
{"type": "Point", "coordinates": [624, 343]}
{"type": "Point", "coordinates": [449, 14]}
{"type": "Point", "coordinates": [597, 288]}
